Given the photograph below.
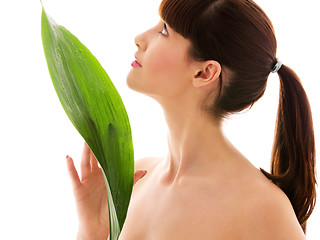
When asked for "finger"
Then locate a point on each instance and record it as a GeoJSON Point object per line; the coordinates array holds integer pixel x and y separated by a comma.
{"type": "Point", "coordinates": [73, 173]}
{"type": "Point", "coordinates": [138, 175]}
{"type": "Point", "coordinates": [94, 162]}
{"type": "Point", "coordinates": [85, 166]}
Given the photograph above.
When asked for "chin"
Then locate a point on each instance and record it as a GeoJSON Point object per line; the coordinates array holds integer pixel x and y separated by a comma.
{"type": "Point", "coordinates": [130, 81]}
{"type": "Point", "coordinates": [137, 84]}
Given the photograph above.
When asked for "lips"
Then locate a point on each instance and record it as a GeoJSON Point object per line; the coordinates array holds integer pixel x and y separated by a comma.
{"type": "Point", "coordinates": [135, 63]}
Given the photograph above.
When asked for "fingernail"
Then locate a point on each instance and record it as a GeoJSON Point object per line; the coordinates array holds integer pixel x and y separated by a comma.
{"type": "Point", "coordinates": [67, 156]}
{"type": "Point", "coordinates": [145, 172]}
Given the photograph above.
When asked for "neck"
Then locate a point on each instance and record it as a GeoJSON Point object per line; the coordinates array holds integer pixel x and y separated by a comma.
{"type": "Point", "coordinates": [195, 142]}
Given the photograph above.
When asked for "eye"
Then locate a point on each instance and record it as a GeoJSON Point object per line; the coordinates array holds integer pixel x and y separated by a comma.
{"type": "Point", "coordinates": [164, 30]}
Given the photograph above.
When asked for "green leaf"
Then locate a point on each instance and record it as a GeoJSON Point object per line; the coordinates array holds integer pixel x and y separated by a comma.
{"type": "Point", "coordinates": [95, 108]}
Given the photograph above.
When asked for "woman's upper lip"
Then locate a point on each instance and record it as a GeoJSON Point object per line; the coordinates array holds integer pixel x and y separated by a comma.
{"type": "Point", "coordinates": [137, 60]}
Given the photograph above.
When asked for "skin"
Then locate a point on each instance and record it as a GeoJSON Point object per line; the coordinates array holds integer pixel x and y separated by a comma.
{"type": "Point", "coordinates": [204, 188]}
{"type": "Point", "coordinates": [91, 196]}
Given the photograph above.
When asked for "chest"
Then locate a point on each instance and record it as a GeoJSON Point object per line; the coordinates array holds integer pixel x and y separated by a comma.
{"type": "Point", "coordinates": [187, 212]}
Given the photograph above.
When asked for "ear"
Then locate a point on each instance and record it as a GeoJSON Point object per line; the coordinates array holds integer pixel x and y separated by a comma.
{"type": "Point", "coordinates": [206, 73]}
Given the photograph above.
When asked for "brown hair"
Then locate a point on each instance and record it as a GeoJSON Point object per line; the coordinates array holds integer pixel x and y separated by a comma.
{"type": "Point", "coordinates": [240, 36]}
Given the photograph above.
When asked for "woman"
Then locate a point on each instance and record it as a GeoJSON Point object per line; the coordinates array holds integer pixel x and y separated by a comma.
{"type": "Point", "coordinates": [203, 61]}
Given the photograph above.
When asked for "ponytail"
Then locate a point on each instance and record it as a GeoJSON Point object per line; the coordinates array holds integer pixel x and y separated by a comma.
{"type": "Point", "coordinates": [293, 154]}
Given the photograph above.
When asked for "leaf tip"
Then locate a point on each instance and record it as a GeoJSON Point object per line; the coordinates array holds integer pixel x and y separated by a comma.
{"type": "Point", "coordinates": [42, 6]}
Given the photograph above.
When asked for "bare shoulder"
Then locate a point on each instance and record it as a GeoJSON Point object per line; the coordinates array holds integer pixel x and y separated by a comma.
{"type": "Point", "coordinates": [147, 163]}
{"type": "Point", "coordinates": [269, 213]}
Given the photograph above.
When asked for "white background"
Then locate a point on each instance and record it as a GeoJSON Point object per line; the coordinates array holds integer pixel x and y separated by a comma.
{"type": "Point", "coordinates": [36, 200]}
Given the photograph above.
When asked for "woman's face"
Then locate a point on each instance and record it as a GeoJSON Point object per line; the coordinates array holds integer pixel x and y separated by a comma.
{"type": "Point", "coordinates": [162, 66]}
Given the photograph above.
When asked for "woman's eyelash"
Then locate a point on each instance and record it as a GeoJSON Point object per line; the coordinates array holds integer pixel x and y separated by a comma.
{"type": "Point", "coordinates": [164, 30]}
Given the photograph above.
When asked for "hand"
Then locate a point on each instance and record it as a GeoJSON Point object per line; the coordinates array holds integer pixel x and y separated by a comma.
{"type": "Point", "coordinates": [91, 196]}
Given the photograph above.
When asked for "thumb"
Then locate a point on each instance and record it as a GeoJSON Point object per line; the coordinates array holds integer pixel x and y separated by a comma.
{"type": "Point", "coordinates": [138, 175]}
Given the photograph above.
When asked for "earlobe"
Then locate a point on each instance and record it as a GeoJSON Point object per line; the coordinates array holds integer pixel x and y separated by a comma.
{"type": "Point", "coordinates": [208, 74]}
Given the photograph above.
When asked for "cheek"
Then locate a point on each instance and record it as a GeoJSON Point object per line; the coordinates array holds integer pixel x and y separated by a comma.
{"type": "Point", "coordinates": [162, 63]}
{"type": "Point", "coordinates": [165, 70]}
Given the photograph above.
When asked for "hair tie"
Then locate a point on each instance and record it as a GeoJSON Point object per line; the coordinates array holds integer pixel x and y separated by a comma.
{"type": "Point", "coordinates": [277, 66]}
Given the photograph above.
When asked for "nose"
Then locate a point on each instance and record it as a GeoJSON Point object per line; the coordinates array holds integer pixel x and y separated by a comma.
{"type": "Point", "coordinates": [141, 41]}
